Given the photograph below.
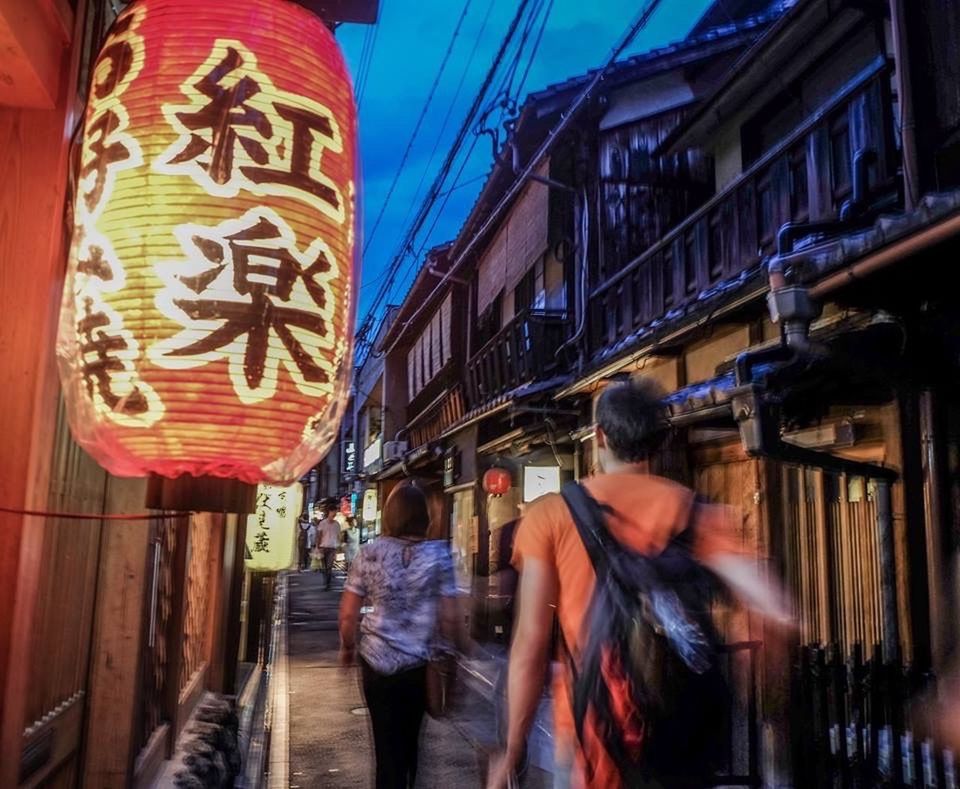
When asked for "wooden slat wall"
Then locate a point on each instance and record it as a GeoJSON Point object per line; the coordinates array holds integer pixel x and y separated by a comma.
{"type": "Point", "coordinates": [33, 161]}
{"type": "Point", "coordinates": [111, 716]}
{"type": "Point", "coordinates": [644, 197]}
{"type": "Point", "coordinates": [833, 557]}
{"type": "Point", "coordinates": [65, 597]}
{"type": "Point", "coordinates": [519, 242]}
{"type": "Point", "coordinates": [725, 475]}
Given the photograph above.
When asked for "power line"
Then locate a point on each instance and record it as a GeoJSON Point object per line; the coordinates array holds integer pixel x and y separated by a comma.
{"type": "Point", "coordinates": [366, 68]}
{"type": "Point", "coordinates": [506, 99]}
{"type": "Point", "coordinates": [450, 107]}
{"type": "Point", "coordinates": [536, 48]}
{"type": "Point", "coordinates": [509, 102]}
{"type": "Point", "coordinates": [417, 125]}
{"type": "Point", "coordinates": [566, 118]}
{"type": "Point", "coordinates": [445, 168]}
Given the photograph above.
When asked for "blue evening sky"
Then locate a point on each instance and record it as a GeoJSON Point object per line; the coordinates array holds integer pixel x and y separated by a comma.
{"type": "Point", "coordinates": [409, 43]}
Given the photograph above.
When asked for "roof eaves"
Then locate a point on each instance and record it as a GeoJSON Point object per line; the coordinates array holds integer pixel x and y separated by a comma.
{"type": "Point", "coordinates": [784, 15]}
{"type": "Point", "coordinates": [653, 62]}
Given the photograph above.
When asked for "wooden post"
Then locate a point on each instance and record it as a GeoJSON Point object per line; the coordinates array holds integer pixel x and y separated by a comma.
{"type": "Point", "coordinates": [219, 596]}
{"type": "Point", "coordinates": [223, 676]}
{"type": "Point", "coordinates": [115, 676]}
{"type": "Point", "coordinates": [181, 560]}
{"type": "Point", "coordinates": [254, 618]}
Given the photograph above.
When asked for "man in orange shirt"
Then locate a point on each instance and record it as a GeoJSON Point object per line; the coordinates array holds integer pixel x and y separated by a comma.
{"type": "Point", "coordinates": [644, 513]}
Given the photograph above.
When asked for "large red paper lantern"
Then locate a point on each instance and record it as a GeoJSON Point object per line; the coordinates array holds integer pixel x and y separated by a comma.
{"type": "Point", "coordinates": [207, 318]}
{"type": "Point", "coordinates": [496, 481]}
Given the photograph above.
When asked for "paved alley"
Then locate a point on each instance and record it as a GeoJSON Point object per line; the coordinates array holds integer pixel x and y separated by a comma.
{"type": "Point", "coordinates": [330, 743]}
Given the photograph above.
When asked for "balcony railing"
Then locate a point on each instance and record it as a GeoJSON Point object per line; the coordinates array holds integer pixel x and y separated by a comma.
{"type": "Point", "coordinates": [441, 414]}
{"type": "Point", "coordinates": [522, 352]}
{"type": "Point", "coordinates": [807, 177]}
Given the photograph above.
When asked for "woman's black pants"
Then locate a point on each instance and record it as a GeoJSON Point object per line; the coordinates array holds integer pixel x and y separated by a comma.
{"type": "Point", "coordinates": [396, 703]}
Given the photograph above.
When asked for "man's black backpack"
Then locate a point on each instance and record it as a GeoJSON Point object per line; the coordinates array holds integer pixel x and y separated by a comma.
{"type": "Point", "coordinates": [648, 668]}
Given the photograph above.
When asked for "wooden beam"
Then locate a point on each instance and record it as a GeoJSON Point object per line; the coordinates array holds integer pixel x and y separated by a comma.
{"type": "Point", "coordinates": [33, 39]}
{"type": "Point", "coordinates": [233, 579]}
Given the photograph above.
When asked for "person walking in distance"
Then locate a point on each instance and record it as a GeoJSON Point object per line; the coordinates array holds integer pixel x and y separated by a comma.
{"type": "Point", "coordinates": [305, 530]}
{"type": "Point", "coordinates": [615, 559]}
{"type": "Point", "coordinates": [351, 542]}
{"type": "Point", "coordinates": [408, 582]}
{"type": "Point", "coordinates": [328, 539]}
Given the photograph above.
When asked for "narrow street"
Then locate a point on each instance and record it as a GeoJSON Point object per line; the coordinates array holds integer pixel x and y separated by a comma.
{"type": "Point", "coordinates": [330, 742]}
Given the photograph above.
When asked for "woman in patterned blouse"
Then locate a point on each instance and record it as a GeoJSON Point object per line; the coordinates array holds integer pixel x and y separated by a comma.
{"type": "Point", "coordinates": [408, 583]}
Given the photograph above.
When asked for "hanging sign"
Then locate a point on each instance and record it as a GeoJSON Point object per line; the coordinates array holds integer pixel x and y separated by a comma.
{"type": "Point", "coordinates": [206, 325]}
{"type": "Point", "coordinates": [272, 529]}
{"type": "Point", "coordinates": [370, 505]}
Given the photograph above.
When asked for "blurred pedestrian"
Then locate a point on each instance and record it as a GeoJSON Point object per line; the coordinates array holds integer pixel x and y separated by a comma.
{"type": "Point", "coordinates": [637, 520]}
{"type": "Point", "coordinates": [328, 539]}
{"type": "Point", "coordinates": [351, 542]}
{"type": "Point", "coordinates": [408, 583]}
{"type": "Point", "coordinates": [304, 532]}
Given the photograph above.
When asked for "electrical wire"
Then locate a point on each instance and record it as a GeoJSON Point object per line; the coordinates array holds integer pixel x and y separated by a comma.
{"type": "Point", "coordinates": [414, 136]}
{"type": "Point", "coordinates": [439, 180]}
{"type": "Point", "coordinates": [506, 100]}
{"type": "Point", "coordinates": [449, 112]}
{"type": "Point", "coordinates": [640, 22]}
{"type": "Point", "coordinates": [373, 46]}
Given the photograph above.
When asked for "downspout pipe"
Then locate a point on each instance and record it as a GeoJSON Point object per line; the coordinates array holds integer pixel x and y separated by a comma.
{"type": "Point", "coordinates": [908, 123]}
{"type": "Point", "coordinates": [757, 412]}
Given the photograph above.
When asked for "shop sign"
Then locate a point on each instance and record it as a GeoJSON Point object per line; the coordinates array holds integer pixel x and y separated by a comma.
{"type": "Point", "coordinates": [370, 505]}
{"type": "Point", "coordinates": [539, 481]}
{"type": "Point", "coordinates": [371, 455]}
{"type": "Point", "coordinates": [350, 458]}
{"type": "Point", "coordinates": [451, 467]}
{"type": "Point", "coordinates": [272, 528]}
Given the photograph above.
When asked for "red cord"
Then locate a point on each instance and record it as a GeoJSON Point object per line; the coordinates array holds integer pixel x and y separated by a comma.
{"type": "Point", "coordinates": [88, 516]}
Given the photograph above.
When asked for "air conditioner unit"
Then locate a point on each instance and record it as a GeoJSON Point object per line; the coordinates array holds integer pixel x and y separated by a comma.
{"type": "Point", "coordinates": [394, 451]}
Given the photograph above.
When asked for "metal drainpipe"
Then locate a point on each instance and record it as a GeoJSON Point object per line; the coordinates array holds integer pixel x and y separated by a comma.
{"type": "Point", "coordinates": [888, 577]}
{"type": "Point", "coordinates": [908, 124]}
{"type": "Point", "coordinates": [760, 429]}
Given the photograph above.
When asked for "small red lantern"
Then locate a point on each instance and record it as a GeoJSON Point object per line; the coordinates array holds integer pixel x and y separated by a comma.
{"type": "Point", "coordinates": [207, 317]}
{"type": "Point", "coordinates": [497, 481]}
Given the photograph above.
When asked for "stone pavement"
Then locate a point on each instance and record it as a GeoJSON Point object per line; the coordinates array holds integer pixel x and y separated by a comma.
{"type": "Point", "coordinates": [329, 740]}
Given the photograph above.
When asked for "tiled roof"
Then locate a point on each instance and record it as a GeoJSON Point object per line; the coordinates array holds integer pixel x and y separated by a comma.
{"type": "Point", "coordinates": [502, 402]}
{"type": "Point", "coordinates": [639, 66]}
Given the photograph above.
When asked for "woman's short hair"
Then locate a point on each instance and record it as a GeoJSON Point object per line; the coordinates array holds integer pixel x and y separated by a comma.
{"type": "Point", "coordinates": [406, 513]}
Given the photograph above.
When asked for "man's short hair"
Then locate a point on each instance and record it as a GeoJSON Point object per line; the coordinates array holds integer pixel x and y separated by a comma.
{"type": "Point", "coordinates": [329, 504]}
{"type": "Point", "coordinates": [632, 415]}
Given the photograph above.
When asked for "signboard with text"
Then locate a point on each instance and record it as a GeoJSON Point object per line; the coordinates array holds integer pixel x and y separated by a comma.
{"type": "Point", "coordinates": [272, 529]}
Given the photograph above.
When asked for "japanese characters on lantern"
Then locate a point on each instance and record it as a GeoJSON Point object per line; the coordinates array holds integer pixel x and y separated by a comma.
{"type": "Point", "coordinates": [207, 317]}
{"type": "Point", "coordinates": [272, 528]}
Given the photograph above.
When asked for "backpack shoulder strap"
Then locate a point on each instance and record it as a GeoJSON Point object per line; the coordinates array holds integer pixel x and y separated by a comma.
{"type": "Point", "coordinates": [589, 520]}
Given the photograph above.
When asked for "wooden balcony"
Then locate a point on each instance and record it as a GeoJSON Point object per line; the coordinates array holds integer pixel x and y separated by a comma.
{"type": "Point", "coordinates": [439, 415]}
{"type": "Point", "coordinates": [522, 352]}
{"type": "Point", "coordinates": [805, 178]}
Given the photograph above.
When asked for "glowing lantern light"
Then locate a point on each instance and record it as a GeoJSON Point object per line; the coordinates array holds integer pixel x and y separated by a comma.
{"type": "Point", "coordinates": [496, 481]}
{"type": "Point", "coordinates": [272, 528]}
{"type": "Point", "coordinates": [206, 326]}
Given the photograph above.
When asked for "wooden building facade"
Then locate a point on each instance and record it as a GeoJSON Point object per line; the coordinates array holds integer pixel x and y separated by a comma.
{"type": "Point", "coordinates": [760, 218]}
